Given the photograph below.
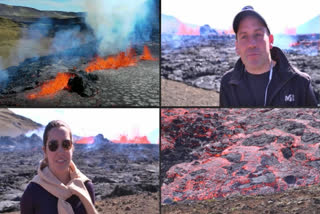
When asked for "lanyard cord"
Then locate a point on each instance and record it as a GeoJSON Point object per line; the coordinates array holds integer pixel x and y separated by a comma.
{"type": "Point", "coordinates": [266, 91]}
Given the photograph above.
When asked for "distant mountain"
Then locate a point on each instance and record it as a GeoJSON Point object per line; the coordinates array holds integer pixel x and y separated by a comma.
{"type": "Point", "coordinates": [19, 11]}
{"type": "Point", "coordinates": [170, 24]}
{"type": "Point", "coordinates": [13, 125]}
{"type": "Point", "coordinates": [310, 27]}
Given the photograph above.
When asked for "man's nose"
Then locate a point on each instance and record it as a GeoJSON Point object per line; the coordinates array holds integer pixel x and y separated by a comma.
{"type": "Point", "coordinates": [252, 41]}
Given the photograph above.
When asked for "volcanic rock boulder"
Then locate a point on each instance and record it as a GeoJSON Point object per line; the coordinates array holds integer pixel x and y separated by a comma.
{"type": "Point", "coordinates": [209, 153]}
{"type": "Point", "coordinates": [83, 83]}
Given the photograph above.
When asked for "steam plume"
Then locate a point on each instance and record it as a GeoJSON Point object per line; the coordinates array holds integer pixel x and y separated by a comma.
{"type": "Point", "coordinates": [3, 75]}
{"type": "Point", "coordinates": [115, 22]}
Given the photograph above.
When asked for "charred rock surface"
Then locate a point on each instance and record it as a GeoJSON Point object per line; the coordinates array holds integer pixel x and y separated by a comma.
{"type": "Point", "coordinates": [201, 61]}
{"type": "Point", "coordinates": [218, 153]}
{"type": "Point", "coordinates": [115, 169]}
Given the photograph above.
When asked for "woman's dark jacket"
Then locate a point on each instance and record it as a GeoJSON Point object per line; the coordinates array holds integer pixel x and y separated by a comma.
{"type": "Point", "coordinates": [37, 200]}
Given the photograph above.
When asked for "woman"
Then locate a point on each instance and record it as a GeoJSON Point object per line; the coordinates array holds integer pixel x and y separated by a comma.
{"type": "Point", "coordinates": [59, 187]}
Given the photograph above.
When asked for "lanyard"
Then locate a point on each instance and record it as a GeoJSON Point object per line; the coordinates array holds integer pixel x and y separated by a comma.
{"type": "Point", "coordinates": [266, 91]}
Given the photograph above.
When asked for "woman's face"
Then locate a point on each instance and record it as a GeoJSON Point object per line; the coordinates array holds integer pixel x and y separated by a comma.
{"type": "Point", "coordinates": [58, 140]}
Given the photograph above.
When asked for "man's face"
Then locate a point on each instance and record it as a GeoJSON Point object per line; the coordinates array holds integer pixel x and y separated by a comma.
{"type": "Point", "coordinates": [253, 43]}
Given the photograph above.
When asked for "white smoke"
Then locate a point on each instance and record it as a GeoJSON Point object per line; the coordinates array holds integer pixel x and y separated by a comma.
{"type": "Point", "coordinates": [114, 22]}
{"type": "Point", "coordinates": [3, 75]}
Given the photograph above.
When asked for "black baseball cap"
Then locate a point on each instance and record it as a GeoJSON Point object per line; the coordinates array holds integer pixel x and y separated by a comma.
{"type": "Point", "coordinates": [247, 11]}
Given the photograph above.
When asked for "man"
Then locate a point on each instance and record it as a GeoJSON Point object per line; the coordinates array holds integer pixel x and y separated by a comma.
{"type": "Point", "coordinates": [262, 76]}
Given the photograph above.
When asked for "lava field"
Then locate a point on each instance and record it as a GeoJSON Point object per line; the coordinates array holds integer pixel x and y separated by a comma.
{"type": "Point", "coordinates": [201, 61]}
{"type": "Point", "coordinates": [115, 169]}
{"type": "Point", "coordinates": [223, 153]}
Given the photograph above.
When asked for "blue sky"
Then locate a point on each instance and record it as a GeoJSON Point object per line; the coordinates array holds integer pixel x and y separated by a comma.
{"type": "Point", "coordinates": [59, 5]}
{"type": "Point", "coordinates": [279, 14]}
{"type": "Point", "coordinates": [109, 122]}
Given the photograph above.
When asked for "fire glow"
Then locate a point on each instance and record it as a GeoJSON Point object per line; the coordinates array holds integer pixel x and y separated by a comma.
{"type": "Point", "coordinates": [239, 151]}
{"type": "Point", "coordinates": [184, 30]}
{"type": "Point", "coordinates": [53, 86]}
{"type": "Point", "coordinates": [85, 140]}
{"type": "Point", "coordinates": [121, 60]}
{"type": "Point", "coordinates": [134, 140]}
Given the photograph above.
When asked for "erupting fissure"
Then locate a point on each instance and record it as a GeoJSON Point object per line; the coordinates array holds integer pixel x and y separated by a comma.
{"type": "Point", "coordinates": [134, 140]}
{"type": "Point", "coordinates": [121, 60]}
{"type": "Point", "coordinates": [85, 140]}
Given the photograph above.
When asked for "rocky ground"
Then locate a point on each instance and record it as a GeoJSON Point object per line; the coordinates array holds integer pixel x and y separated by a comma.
{"type": "Point", "coordinates": [125, 176]}
{"type": "Point", "coordinates": [175, 93]}
{"type": "Point", "coordinates": [201, 61]}
{"type": "Point", "coordinates": [215, 160]}
{"type": "Point", "coordinates": [301, 200]}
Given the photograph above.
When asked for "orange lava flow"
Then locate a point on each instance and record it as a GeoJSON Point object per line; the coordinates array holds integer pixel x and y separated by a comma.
{"type": "Point", "coordinates": [146, 54]}
{"type": "Point", "coordinates": [113, 62]}
{"type": "Point", "coordinates": [134, 140]}
{"type": "Point", "coordinates": [86, 140]}
{"type": "Point", "coordinates": [53, 86]}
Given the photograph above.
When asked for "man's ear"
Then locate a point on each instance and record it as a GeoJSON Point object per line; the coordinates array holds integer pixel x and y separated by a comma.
{"type": "Point", "coordinates": [237, 50]}
{"type": "Point", "coordinates": [271, 40]}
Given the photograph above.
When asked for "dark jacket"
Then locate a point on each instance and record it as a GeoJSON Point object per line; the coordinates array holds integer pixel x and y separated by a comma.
{"type": "Point", "coordinates": [288, 88]}
{"type": "Point", "coordinates": [37, 200]}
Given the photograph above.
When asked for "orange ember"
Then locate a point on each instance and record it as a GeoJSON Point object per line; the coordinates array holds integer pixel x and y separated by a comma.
{"type": "Point", "coordinates": [86, 140]}
{"type": "Point", "coordinates": [136, 140]}
{"type": "Point", "coordinates": [53, 86]}
{"type": "Point", "coordinates": [146, 54]}
{"type": "Point", "coordinates": [113, 62]}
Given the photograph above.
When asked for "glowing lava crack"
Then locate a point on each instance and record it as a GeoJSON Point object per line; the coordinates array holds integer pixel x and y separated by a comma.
{"type": "Point", "coordinates": [209, 153]}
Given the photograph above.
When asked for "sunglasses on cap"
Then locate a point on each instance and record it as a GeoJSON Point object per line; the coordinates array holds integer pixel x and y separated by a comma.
{"type": "Point", "coordinates": [53, 145]}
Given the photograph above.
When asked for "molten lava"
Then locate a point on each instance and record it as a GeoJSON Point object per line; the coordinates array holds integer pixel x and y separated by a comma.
{"type": "Point", "coordinates": [113, 62]}
{"type": "Point", "coordinates": [86, 140]}
{"type": "Point", "coordinates": [121, 60]}
{"type": "Point", "coordinates": [134, 140]}
{"type": "Point", "coordinates": [237, 151]}
{"type": "Point", "coordinates": [146, 54]}
{"type": "Point", "coordinates": [53, 86]}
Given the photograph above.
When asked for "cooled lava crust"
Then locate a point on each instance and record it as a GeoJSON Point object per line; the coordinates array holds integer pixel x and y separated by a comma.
{"type": "Point", "coordinates": [215, 153]}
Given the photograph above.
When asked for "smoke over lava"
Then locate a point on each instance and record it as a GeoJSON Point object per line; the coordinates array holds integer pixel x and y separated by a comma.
{"type": "Point", "coordinates": [115, 23]}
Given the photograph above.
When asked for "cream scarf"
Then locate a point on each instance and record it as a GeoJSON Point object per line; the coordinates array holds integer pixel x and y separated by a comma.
{"type": "Point", "coordinates": [76, 186]}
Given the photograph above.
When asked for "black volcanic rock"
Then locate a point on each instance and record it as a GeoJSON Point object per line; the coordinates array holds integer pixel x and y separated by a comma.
{"type": "Point", "coordinates": [206, 30]}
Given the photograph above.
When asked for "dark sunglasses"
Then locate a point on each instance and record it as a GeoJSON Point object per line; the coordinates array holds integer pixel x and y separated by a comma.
{"type": "Point", "coordinates": [53, 145]}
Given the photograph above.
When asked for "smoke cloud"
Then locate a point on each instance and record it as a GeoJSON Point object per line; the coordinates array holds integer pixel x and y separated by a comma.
{"type": "Point", "coordinates": [284, 41]}
{"type": "Point", "coordinates": [3, 76]}
{"type": "Point", "coordinates": [30, 43]}
{"type": "Point", "coordinates": [117, 24]}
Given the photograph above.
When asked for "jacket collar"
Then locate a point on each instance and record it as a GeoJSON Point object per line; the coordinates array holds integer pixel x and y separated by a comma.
{"type": "Point", "coordinates": [281, 75]}
{"type": "Point", "coordinates": [284, 73]}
